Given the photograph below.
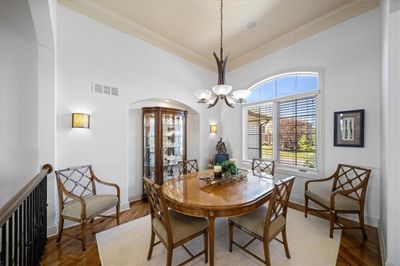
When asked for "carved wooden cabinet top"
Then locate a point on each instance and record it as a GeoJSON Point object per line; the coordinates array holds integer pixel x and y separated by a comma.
{"type": "Point", "coordinates": [192, 195]}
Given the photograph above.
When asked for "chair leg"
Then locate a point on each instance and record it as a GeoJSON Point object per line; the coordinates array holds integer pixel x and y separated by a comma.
{"type": "Point", "coordinates": [169, 255]}
{"type": "Point", "coordinates": [117, 213]}
{"type": "Point", "coordinates": [206, 246]}
{"type": "Point", "coordinates": [60, 228]}
{"type": "Point", "coordinates": [305, 206]}
{"type": "Point", "coordinates": [83, 234]}
{"type": "Point", "coordinates": [285, 243]}
{"type": "Point", "coordinates": [151, 245]}
{"type": "Point", "coordinates": [266, 253]}
{"type": "Point", "coordinates": [362, 224]}
{"type": "Point", "coordinates": [230, 235]}
{"type": "Point", "coordinates": [331, 222]}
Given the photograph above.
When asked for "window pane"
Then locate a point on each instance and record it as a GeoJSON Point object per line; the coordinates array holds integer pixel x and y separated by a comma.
{"type": "Point", "coordinates": [259, 132]}
{"type": "Point", "coordinates": [297, 133]}
{"type": "Point", "coordinates": [286, 85]}
{"type": "Point", "coordinates": [306, 83]}
{"type": "Point", "coordinates": [254, 95]}
{"type": "Point", "coordinates": [267, 90]}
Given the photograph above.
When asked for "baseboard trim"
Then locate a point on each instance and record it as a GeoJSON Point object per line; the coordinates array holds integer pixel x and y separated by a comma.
{"type": "Point", "coordinates": [382, 244]}
{"type": "Point", "coordinates": [135, 198]}
{"type": "Point", "coordinates": [52, 230]}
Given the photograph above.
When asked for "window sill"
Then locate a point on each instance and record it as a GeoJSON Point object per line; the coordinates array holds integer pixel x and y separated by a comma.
{"type": "Point", "coordinates": [289, 171]}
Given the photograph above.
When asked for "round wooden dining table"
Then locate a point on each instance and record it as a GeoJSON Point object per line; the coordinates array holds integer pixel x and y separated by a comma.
{"type": "Point", "coordinates": [192, 195]}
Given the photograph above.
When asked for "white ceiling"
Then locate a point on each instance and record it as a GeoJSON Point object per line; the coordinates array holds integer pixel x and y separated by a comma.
{"type": "Point", "coordinates": [190, 28]}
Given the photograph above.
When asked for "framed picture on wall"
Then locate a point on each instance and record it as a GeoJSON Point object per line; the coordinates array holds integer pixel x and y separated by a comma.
{"type": "Point", "coordinates": [349, 128]}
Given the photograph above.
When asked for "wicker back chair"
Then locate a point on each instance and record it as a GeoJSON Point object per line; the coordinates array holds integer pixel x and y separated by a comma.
{"type": "Point", "coordinates": [187, 167]}
{"type": "Point", "coordinates": [265, 223]}
{"type": "Point", "coordinates": [347, 195]}
{"type": "Point", "coordinates": [260, 166]}
{"type": "Point", "coordinates": [79, 201]}
{"type": "Point", "coordinates": [172, 228]}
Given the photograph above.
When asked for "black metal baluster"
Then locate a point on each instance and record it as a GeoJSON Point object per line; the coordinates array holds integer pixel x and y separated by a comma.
{"type": "Point", "coordinates": [29, 231]}
{"type": "Point", "coordinates": [15, 257]}
{"type": "Point", "coordinates": [20, 232]}
{"type": "Point", "coordinates": [24, 236]}
{"type": "Point", "coordinates": [3, 244]}
{"type": "Point", "coordinates": [10, 239]}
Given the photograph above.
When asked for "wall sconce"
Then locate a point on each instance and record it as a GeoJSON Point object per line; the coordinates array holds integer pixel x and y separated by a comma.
{"type": "Point", "coordinates": [80, 120]}
{"type": "Point", "coordinates": [213, 129]}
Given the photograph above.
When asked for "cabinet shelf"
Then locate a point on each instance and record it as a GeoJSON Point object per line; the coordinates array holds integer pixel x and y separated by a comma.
{"type": "Point", "coordinates": [164, 140]}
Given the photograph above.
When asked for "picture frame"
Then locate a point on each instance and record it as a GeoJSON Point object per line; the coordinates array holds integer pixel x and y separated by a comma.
{"type": "Point", "coordinates": [349, 128]}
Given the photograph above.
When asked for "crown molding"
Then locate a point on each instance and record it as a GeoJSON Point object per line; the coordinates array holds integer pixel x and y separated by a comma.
{"type": "Point", "coordinates": [110, 18]}
{"type": "Point", "coordinates": [331, 19]}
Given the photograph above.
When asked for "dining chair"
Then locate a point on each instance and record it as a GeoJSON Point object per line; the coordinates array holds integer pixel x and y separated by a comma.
{"type": "Point", "coordinates": [79, 201]}
{"type": "Point", "coordinates": [173, 229]}
{"type": "Point", "coordinates": [259, 166]}
{"type": "Point", "coordinates": [345, 195]}
{"type": "Point", "coordinates": [187, 167]}
{"type": "Point", "coordinates": [266, 222]}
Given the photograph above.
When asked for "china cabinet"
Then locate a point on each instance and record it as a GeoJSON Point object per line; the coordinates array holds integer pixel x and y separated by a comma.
{"type": "Point", "coordinates": [164, 142]}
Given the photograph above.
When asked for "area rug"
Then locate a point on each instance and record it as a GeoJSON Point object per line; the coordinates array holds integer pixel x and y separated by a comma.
{"type": "Point", "coordinates": [308, 239]}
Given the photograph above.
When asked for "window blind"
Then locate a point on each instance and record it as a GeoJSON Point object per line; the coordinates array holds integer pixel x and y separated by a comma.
{"type": "Point", "coordinates": [260, 131]}
{"type": "Point", "coordinates": [297, 132]}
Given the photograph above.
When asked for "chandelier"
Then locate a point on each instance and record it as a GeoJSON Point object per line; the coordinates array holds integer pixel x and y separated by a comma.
{"type": "Point", "coordinates": [221, 91]}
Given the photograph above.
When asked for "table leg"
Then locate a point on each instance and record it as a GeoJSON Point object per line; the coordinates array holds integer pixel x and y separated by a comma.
{"type": "Point", "coordinates": [211, 233]}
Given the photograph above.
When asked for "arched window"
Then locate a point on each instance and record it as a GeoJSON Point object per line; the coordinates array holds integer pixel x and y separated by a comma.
{"type": "Point", "coordinates": [281, 122]}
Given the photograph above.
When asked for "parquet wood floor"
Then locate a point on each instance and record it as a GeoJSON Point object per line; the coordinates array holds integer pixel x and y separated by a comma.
{"type": "Point", "coordinates": [353, 249]}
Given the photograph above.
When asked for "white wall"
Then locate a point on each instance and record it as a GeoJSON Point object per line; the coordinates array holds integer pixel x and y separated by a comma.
{"type": "Point", "coordinates": [90, 51]}
{"type": "Point", "coordinates": [18, 92]}
{"type": "Point", "coordinates": [349, 55]}
{"type": "Point", "coordinates": [390, 151]}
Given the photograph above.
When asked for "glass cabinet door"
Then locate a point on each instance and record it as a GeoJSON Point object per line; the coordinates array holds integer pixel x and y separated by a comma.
{"type": "Point", "coordinates": [149, 145]}
{"type": "Point", "coordinates": [173, 143]}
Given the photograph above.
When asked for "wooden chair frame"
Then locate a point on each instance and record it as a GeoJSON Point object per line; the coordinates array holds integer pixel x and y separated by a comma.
{"type": "Point", "coordinates": [159, 209]}
{"type": "Point", "coordinates": [65, 175]}
{"type": "Point", "coordinates": [339, 188]}
{"type": "Point", "coordinates": [187, 167]}
{"type": "Point", "coordinates": [263, 166]}
{"type": "Point", "coordinates": [277, 207]}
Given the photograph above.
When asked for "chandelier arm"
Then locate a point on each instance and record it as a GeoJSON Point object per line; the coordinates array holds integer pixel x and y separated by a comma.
{"type": "Point", "coordinates": [227, 102]}
{"type": "Point", "coordinates": [214, 103]}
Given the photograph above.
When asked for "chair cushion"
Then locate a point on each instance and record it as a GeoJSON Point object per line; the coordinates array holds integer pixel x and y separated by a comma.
{"type": "Point", "coordinates": [95, 204]}
{"type": "Point", "coordinates": [182, 226]}
{"type": "Point", "coordinates": [255, 222]}
{"type": "Point", "coordinates": [323, 195]}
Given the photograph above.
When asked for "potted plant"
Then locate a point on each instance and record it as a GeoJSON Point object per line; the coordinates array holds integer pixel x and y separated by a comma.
{"type": "Point", "coordinates": [229, 168]}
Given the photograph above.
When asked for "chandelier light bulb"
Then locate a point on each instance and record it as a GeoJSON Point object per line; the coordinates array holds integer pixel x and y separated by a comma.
{"type": "Point", "coordinates": [203, 94]}
{"type": "Point", "coordinates": [222, 89]}
{"type": "Point", "coordinates": [240, 94]}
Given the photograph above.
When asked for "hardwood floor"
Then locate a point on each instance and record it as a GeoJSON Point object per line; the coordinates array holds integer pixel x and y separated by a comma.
{"type": "Point", "coordinates": [353, 249]}
{"type": "Point", "coordinates": [69, 250]}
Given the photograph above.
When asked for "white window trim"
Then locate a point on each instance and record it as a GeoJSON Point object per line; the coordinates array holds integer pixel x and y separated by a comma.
{"type": "Point", "coordinates": [283, 169]}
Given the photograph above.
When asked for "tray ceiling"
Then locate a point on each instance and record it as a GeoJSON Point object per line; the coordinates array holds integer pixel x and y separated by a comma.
{"type": "Point", "coordinates": [190, 28]}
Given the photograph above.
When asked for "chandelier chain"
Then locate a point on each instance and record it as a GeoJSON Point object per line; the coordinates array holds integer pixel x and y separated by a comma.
{"type": "Point", "coordinates": [221, 28]}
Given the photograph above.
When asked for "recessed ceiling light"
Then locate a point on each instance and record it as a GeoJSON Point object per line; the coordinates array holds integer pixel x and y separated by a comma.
{"type": "Point", "coordinates": [251, 25]}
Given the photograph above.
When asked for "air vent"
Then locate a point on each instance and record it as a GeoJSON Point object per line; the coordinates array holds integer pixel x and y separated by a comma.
{"type": "Point", "coordinates": [104, 89]}
{"type": "Point", "coordinates": [98, 88]}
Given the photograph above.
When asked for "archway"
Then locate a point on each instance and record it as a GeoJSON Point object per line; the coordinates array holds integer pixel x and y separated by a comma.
{"type": "Point", "coordinates": [135, 139]}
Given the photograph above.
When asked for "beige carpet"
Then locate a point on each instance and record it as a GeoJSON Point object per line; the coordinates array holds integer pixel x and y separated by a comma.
{"type": "Point", "coordinates": [308, 239]}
